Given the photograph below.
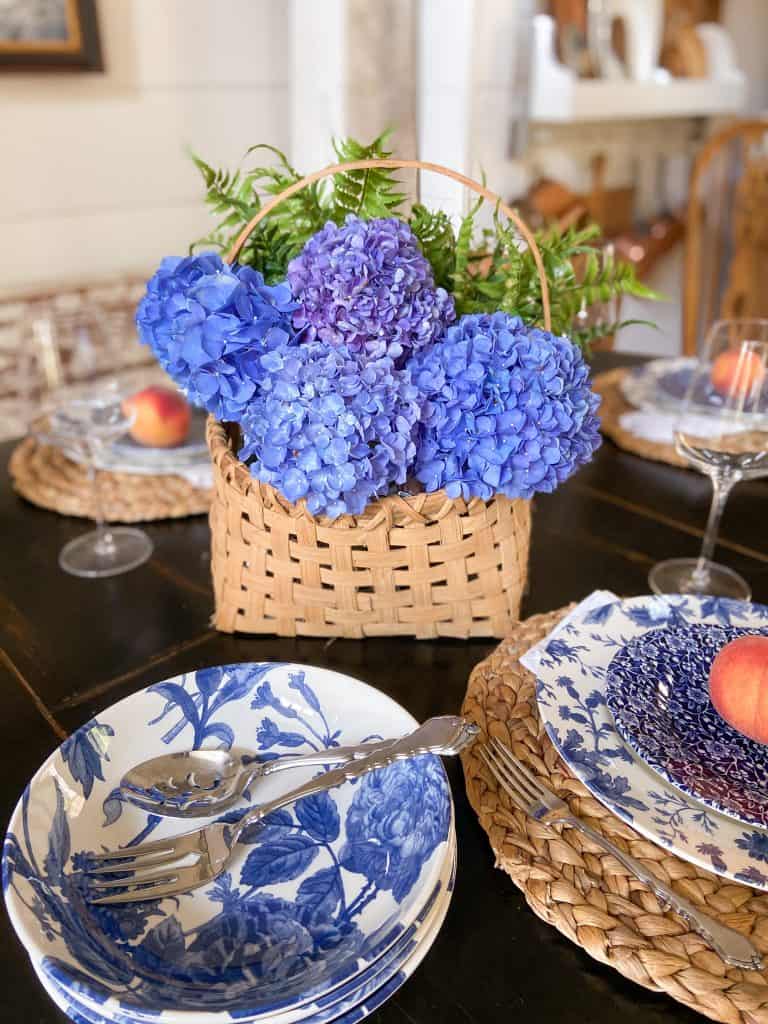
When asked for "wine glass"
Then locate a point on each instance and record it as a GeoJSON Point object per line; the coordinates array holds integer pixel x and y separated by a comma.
{"type": "Point", "coordinates": [723, 432]}
{"type": "Point", "coordinates": [85, 423]}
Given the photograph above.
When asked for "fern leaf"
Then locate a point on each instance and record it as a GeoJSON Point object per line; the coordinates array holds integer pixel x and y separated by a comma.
{"type": "Point", "coordinates": [368, 193]}
{"type": "Point", "coordinates": [434, 232]}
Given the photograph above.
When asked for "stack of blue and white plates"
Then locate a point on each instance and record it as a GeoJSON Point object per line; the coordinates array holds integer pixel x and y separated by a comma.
{"type": "Point", "coordinates": [623, 691]}
{"type": "Point", "coordinates": [327, 909]}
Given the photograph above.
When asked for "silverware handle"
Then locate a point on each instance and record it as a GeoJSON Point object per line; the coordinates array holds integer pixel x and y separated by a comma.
{"type": "Point", "coordinates": [435, 736]}
{"type": "Point", "coordinates": [319, 757]}
{"type": "Point", "coordinates": [732, 946]}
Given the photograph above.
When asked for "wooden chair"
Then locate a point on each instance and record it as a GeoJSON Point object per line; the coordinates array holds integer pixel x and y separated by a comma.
{"type": "Point", "coordinates": [726, 249]}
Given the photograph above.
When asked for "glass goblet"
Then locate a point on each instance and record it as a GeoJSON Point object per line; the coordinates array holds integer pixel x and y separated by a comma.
{"type": "Point", "coordinates": [86, 425]}
{"type": "Point", "coordinates": [723, 432]}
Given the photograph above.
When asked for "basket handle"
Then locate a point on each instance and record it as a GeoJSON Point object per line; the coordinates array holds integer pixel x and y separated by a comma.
{"type": "Point", "coordinates": [421, 165]}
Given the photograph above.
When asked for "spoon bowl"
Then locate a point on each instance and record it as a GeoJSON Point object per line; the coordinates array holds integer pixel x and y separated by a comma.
{"type": "Point", "coordinates": [203, 783]}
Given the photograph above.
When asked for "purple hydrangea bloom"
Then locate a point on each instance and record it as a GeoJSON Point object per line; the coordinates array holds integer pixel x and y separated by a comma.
{"type": "Point", "coordinates": [329, 429]}
{"type": "Point", "coordinates": [507, 408]}
{"type": "Point", "coordinates": [208, 324]}
{"type": "Point", "coordinates": [367, 285]}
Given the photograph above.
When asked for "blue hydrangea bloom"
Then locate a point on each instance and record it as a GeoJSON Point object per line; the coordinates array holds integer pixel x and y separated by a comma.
{"type": "Point", "coordinates": [326, 428]}
{"type": "Point", "coordinates": [208, 324]}
{"type": "Point", "coordinates": [507, 408]}
{"type": "Point", "coordinates": [367, 285]}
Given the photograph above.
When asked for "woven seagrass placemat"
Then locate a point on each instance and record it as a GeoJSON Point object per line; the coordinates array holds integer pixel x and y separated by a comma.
{"type": "Point", "coordinates": [46, 477]}
{"type": "Point", "coordinates": [613, 407]}
{"type": "Point", "coordinates": [584, 892]}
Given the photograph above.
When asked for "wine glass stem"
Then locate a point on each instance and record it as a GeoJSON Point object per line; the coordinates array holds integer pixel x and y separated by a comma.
{"type": "Point", "coordinates": [105, 541]}
{"type": "Point", "coordinates": [722, 485]}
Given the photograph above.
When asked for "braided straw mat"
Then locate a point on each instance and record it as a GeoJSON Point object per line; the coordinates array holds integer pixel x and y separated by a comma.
{"type": "Point", "coordinates": [613, 407]}
{"type": "Point", "coordinates": [584, 892]}
{"type": "Point", "coordinates": [46, 477]}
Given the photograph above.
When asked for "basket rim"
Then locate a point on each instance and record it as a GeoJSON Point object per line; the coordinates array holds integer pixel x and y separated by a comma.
{"type": "Point", "coordinates": [421, 507]}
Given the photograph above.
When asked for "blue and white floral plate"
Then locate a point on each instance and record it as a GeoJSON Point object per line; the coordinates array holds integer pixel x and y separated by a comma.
{"type": "Point", "coordinates": [658, 692]}
{"type": "Point", "coordinates": [313, 898]}
{"type": "Point", "coordinates": [664, 384]}
{"type": "Point", "coordinates": [352, 1001]}
{"type": "Point", "coordinates": [571, 668]}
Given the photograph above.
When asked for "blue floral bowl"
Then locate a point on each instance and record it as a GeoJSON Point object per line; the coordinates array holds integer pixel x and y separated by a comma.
{"type": "Point", "coordinates": [658, 692]}
{"type": "Point", "coordinates": [314, 896]}
{"type": "Point", "coordinates": [348, 1003]}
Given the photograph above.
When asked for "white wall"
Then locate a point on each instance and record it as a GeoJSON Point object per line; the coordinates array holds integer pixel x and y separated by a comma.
{"type": "Point", "coordinates": [94, 180]}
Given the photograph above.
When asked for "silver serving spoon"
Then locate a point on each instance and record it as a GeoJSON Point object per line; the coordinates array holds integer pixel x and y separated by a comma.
{"type": "Point", "coordinates": [202, 783]}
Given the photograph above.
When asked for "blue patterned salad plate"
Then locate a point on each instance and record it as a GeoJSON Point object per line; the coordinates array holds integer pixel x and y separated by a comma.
{"type": "Point", "coordinates": [571, 668]}
{"type": "Point", "coordinates": [318, 894]}
{"type": "Point", "coordinates": [658, 692]}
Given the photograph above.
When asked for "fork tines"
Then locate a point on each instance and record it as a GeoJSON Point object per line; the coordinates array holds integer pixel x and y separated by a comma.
{"type": "Point", "coordinates": [133, 868]}
{"type": "Point", "coordinates": [525, 791]}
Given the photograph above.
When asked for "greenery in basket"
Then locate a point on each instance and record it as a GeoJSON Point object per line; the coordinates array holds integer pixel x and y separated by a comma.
{"type": "Point", "coordinates": [483, 274]}
{"type": "Point", "coordinates": [361, 345]}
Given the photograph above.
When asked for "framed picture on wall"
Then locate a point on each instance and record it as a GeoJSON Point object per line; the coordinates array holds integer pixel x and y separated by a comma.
{"type": "Point", "coordinates": [49, 34]}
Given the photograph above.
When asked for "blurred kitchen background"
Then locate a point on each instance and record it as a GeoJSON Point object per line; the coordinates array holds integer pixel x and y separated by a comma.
{"type": "Point", "coordinates": [573, 109]}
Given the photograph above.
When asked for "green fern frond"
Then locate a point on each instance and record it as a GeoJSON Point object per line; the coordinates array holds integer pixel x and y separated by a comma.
{"type": "Point", "coordinates": [435, 234]}
{"type": "Point", "coordinates": [486, 273]}
{"type": "Point", "coordinates": [368, 193]}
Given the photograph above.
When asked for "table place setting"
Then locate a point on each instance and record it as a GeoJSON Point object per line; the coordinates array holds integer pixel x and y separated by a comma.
{"type": "Point", "coordinates": [637, 725]}
{"type": "Point", "coordinates": [313, 904]}
{"type": "Point", "coordinates": [719, 393]}
{"type": "Point", "coordinates": [153, 465]}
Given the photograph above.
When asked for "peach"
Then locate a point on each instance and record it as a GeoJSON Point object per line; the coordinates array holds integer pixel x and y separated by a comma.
{"type": "Point", "coordinates": [162, 417]}
{"type": "Point", "coordinates": [738, 685]}
{"type": "Point", "coordinates": [739, 372]}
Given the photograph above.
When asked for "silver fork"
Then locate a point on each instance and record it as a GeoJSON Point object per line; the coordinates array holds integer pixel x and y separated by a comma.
{"type": "Point", "coordinates": [152, 870]}
{"type": "Point", "coordinates": [527, 793]}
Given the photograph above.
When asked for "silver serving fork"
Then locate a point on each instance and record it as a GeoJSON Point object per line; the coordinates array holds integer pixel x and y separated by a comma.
{"type": "Point", "coordinates": [167, 867]}
{"type": "Point", "coordinates": [535, 800]}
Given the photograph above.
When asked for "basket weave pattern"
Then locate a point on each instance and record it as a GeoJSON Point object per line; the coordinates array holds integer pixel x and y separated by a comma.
{"type": "Point", "coordinates": [422, 566]}
{"type": "Point", "coordinates": [584, 891]}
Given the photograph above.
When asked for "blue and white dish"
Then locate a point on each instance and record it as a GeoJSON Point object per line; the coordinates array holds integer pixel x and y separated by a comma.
{"type": "Point", "coordinates": [350, 1002]}
{"type": "Point", "coordinates": [316, 894]}
{"type": "Point", "coordinates": [658, 692]}
{"type": "Point", "coordinates": [571, 668]}
{"type": "Point", "coordinates": [664, 384]}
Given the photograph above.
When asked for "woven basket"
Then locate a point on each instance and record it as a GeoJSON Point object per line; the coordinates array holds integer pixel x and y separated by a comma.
{"type": "Point", "coordinates": [423, 566]}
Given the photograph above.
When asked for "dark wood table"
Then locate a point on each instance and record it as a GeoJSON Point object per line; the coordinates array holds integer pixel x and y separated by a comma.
{"type": "Point", "coordinates": [71, 647]}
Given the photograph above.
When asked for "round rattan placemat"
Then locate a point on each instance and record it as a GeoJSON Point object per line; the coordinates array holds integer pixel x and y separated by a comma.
{"type": "Point", "coordinates": [46, 477]}
{"type": "Point", "coordinates": [613, 407]}
{"type": "Point", "coordinates": [584, 892]}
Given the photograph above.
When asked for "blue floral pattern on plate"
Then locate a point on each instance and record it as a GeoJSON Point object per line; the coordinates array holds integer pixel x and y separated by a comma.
{"type": "Point", "coordinates": [317, 892]}
{"type": "Point", "coordinates": [571, 669]}
{"type": "Point", "coordinates": [658, 692]}
{"type": "Point", "coordinates": [350, 1002]}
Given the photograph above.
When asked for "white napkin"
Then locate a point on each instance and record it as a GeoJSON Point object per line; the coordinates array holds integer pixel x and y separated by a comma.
{"type": "Point", "coordinates": [199, 476]}
{"type": "Point", "coordinates": [597, 599]}
{"type": "Point", "coordinates": [652, 425]}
